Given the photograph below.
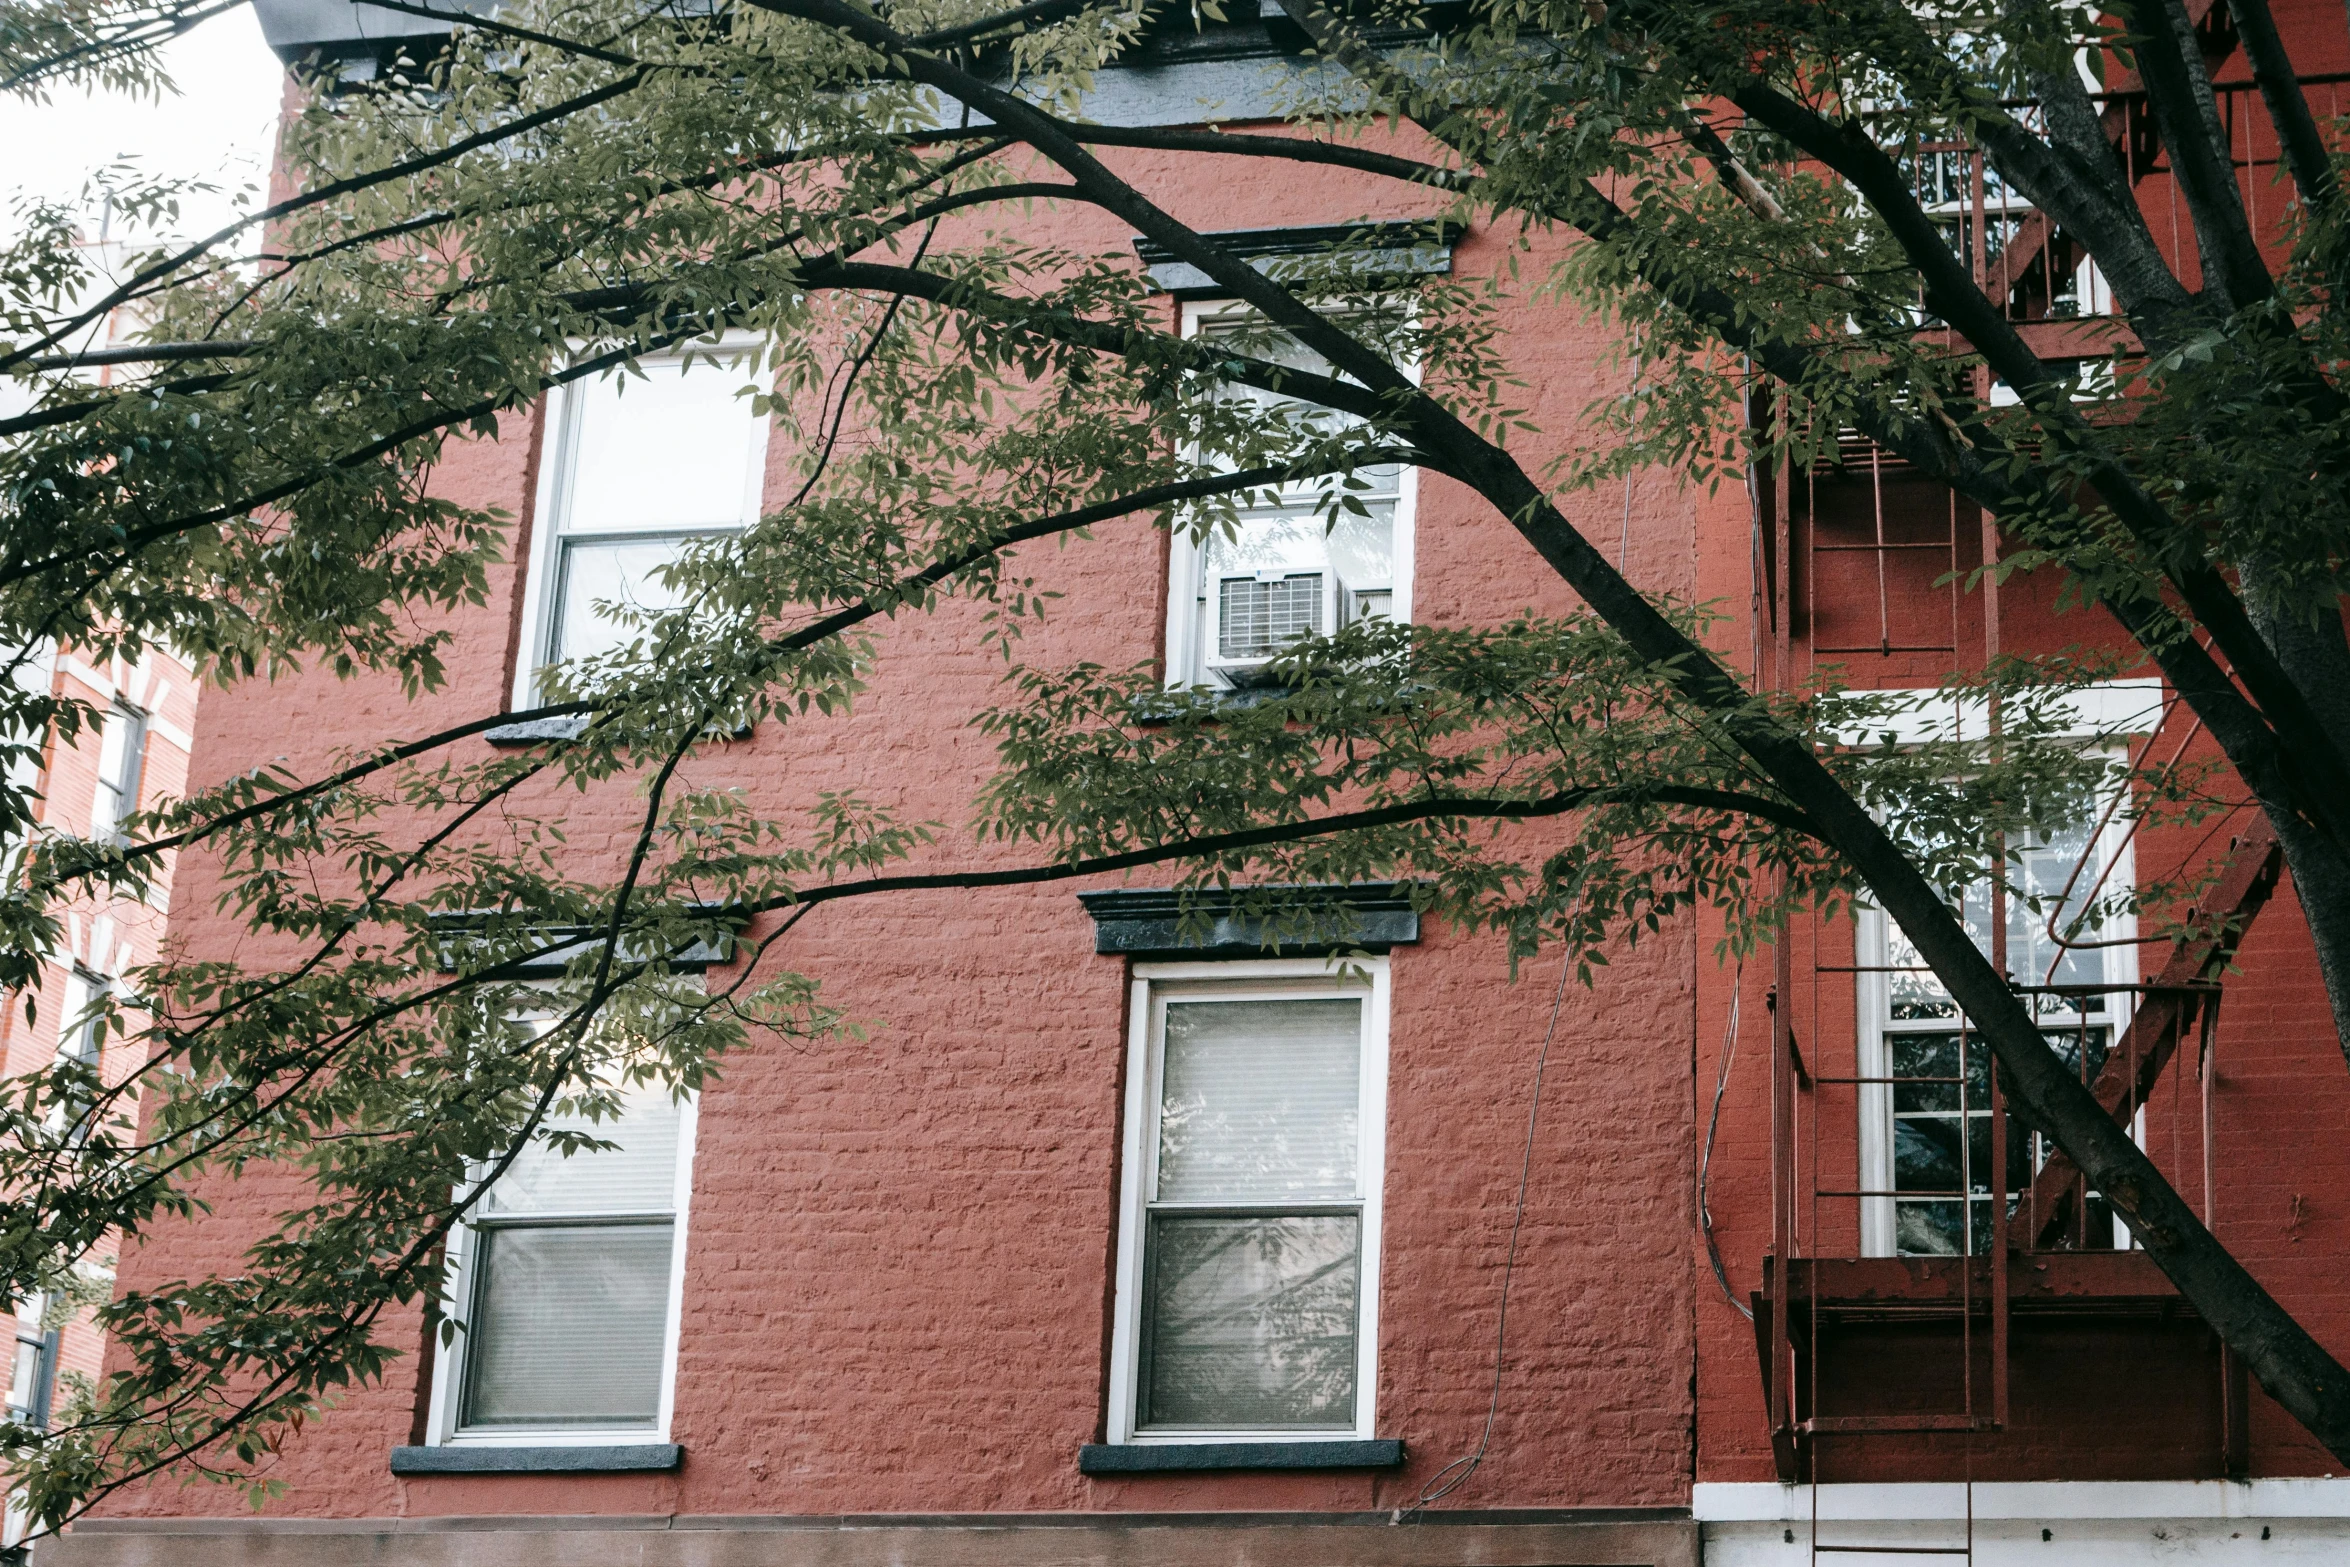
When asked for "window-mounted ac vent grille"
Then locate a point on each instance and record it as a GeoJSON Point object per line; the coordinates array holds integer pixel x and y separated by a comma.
{"type": "Point", "coordinates": [1256, 617]}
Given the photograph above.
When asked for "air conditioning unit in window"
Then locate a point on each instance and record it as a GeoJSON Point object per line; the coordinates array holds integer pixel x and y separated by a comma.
{"type": "Point", "coordinates": [1256, 617]}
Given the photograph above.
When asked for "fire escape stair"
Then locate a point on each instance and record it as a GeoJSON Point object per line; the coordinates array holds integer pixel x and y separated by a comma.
{"type": "Point", "coordinates": [2044, 1279]}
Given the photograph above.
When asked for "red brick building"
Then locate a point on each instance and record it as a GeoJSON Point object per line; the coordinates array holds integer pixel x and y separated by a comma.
{"type": "Point", "coordinates": [976, 1288]}
{"type": "Point", "coordinates": [136, 757]}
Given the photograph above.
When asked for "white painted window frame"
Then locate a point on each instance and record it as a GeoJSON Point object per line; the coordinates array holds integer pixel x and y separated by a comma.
{"type": "Point", "coordinates": [1187, 557]}
{"type": "Point", "coordinates": [1872, 1004]}
{"type": "Point", "coordinates": [557, 462]}
{"type": "Point", "coordinates": [1153, 984]}
{"type": "Point", "coordinates": [121, 767]}
{"type": "Point", "coordinates": [449, 1358]}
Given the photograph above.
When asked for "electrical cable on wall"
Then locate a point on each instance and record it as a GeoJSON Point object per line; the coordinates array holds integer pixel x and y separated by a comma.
{"type": "Point", "coordinates": [1631, 395]}
{"type": "Point", "coordinates": [1705, 1159]}
{"type": "Point", "coordinates": [1455, 1474]}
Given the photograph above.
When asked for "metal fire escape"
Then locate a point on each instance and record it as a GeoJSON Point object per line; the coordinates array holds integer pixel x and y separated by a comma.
{"type": "Point", "coordinates": [1835, 557]}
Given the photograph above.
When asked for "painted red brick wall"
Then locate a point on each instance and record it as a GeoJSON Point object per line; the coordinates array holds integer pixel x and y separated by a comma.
{"type": "Point", "coordinates": [900, 1248]}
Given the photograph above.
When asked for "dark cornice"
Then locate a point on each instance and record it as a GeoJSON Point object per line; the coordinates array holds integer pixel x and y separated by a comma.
{"type": "Point", "coordinates": [1148, 922]}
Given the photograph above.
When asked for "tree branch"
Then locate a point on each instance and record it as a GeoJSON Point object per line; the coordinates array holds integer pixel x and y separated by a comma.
{"type": "Point", "coordinates": [1213, 845]}
{"type": "Point", "coordinates": [2178, 90]}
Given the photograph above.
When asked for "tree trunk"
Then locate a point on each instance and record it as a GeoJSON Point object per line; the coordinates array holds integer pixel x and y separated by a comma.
{"type": "Point", "coordinates": [2314, 653]}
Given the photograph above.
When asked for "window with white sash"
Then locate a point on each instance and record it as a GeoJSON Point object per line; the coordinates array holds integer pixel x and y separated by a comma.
{"type": "Point", "coordinates": [1248, 1258]}
{"type": "Point", "coordinates": [564, 1286]}
{"type": "Point", "coordinates": [81, 1043]}
{"type": "Point", "coordinates": [636, 467]}
{"type": "Point", "coordinates": [1294, 565]}
{"type": "Point", "coordinates": [122, 768]}
{"type": "Point", "coordinates": [1927, 1130]}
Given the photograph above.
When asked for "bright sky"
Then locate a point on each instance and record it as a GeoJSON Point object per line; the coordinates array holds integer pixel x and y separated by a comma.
{"type": "Point", "coordinates": [219, 127]}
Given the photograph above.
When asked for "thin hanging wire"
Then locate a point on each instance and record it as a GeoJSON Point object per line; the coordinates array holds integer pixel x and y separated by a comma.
{"type": "Point", "coordinates": [1632, 401]}
{"type": "Point", "coordinates": [1705, 1160]}
{"type": "Point", "coordinates": [1456, 1474]}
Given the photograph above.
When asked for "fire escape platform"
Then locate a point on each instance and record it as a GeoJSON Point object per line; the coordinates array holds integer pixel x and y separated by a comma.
{"type": "Point", "coordinates": [2119, 1283]}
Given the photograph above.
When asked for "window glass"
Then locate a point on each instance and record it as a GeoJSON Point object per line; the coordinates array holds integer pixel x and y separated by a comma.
{"type": "Point", "coordinates": [1252, 1320]}
{"type": "Point", "coordinates": [674, 448]}
{"type": "Point", "coordinates": [568, 1274]}
{"type": "Point", "coordinates": [122, 761]}
{"type": "Point", "coordinates": [603, 587]}
{"type": "Point", "coordinates": [1259, 1100]}
{"type": "Point", "coordinates": [639, 1175]}
{"type": "Point", "coordinates": [1251, 1289]}
{"type": "Point", "coordinates": [1292, 566]}
{"type": "Point", "coordinates": [568, 1326]}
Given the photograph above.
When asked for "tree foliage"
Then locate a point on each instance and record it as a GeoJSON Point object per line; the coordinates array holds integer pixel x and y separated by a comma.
{"type": "Point", "coordinates": [574, 184]}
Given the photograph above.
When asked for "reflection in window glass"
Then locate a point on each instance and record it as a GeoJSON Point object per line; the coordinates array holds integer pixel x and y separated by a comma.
{"type": "Point", "coordinates": [601, 585]}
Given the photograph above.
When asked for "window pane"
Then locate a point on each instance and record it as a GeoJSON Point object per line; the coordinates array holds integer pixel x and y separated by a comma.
{"type": "Point", "coordinates": [567, 1326]}
{"type": "Point", "coordinates": [639, 1176]}
{"type": "Point", "coordinates": [1927, 1229]}
{"type": "Point", "coordinates": [671, 450]}
{"type": "Point", "coordinates": [2048, 866]}
{"type": "Point", "coordinates": [1362, 550]}
{"type": "Point", "coordinates": [1251, 1322]}
{"type": "Point", "coordinates": [24, 1379]}
{"type": "Point", "coordinates": [1267, 543]}
{"type": "Point", "coordinates": [111, 804]}
{"type": "Point", "coordinates": [1260, 1101]}
{"type": "Point", "coordinates": [1927, 1056]}
{"type": "Point", "coordinates": [1925, 1153]}
{"type": "Point", "coordinates": [618, 574]}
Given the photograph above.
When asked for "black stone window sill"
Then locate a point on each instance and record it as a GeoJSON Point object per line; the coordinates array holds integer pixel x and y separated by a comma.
{"type": "Point", "coordinates": [626, 1458]}
{"type": "Point", "coordinates": [1154, 1458]}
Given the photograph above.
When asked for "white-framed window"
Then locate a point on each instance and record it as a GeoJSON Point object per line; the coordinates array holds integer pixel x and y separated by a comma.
{"type": "Point", "coordinates": [635, 466]}
{"type": "Point", "coordinates": [79, 1042]}
{"type": "Point", "coordinates": [565, 1285]}
{"type": "Point", "coordinates": [77, 1036]}
{"type": "Point", "coordinates": [1233, 603]}
{"type": "Point", "coordinates": [1928, 1130]}
{"type": "Point", "coordinates": [1248, 1240]}
{"type": "Point", "coordinates": [122, 767]}
{"type": "Point", "coordinates": [32, 1376]}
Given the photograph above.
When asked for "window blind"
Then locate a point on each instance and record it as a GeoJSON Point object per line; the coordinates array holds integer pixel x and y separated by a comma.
{"type": "Point", "coordinates": [568, 1326]}
{"type": "Point", "coordinates": [638, 1176]}
{"type": "Point", "coordinates": [1259, 1101]}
